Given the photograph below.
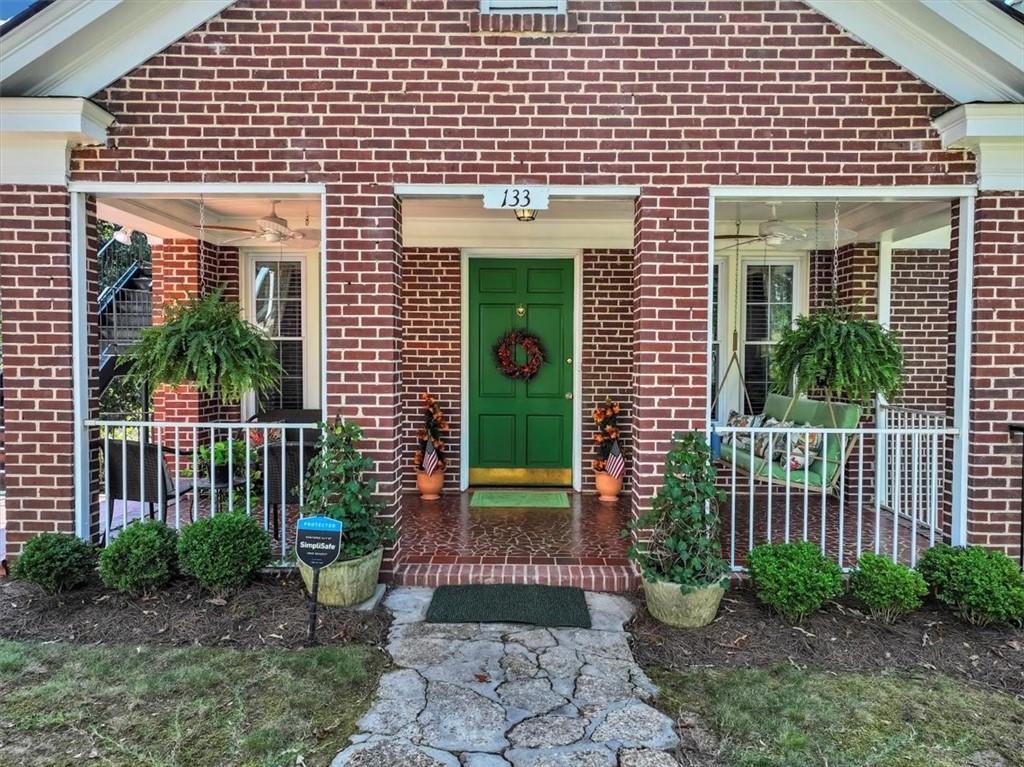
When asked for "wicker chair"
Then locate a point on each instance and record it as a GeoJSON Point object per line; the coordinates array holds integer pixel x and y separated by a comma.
{"type": "Point", "coordinates": [138, 472]}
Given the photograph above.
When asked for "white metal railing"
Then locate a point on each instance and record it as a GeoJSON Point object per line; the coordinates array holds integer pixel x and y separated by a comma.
{"type": "Point", "coordinates": [835, 503]}
{"type": "Point", "coordinates": [906, 481]}
{"type": "Point", "coordinates": [178, 471]}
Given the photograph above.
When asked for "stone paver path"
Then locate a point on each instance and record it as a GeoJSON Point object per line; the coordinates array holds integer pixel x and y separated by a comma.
{"type": "Point", "coordinates": [507, 695]}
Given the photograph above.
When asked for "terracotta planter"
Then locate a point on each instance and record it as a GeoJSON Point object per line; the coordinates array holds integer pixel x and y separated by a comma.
{"type": "Point", "coordinates": [346, 583]}
{"type": "Point", "coordinates": [430, 485]}
{"type": "Point", "coordinates": [695, 608]}
{"type": "Point", "coordinates": [608, 487]}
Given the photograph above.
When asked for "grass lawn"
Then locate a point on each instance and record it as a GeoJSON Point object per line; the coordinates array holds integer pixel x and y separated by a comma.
{"type": "Point", "coordinates": [66, 704]}
{"type": "Point", "coordinates": [788, 717]}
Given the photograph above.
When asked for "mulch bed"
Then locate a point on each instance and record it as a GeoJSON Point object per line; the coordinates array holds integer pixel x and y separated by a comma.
{"type": "Point", "coordinates": [270, 612]}
{"type": "Point", "coordinates": [837, 639]}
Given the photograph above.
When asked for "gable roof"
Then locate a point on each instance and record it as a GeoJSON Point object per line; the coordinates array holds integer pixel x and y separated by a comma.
{"type": "Point", "coordinates": [971, 50]}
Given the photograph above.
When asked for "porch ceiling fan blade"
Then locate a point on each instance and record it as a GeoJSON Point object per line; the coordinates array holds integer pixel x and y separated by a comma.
{"type": "Point", "coordinates": [741, 236]}
{"type": "Point", "coordinates": [738, 244]}
{"type": "Point", "coordinates": [227, 228]}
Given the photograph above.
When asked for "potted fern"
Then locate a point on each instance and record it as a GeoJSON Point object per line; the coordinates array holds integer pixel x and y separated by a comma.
{"type": "Point", "coordinates": [337, 487]}
{"type": "Point", "coordinates": [677, 546]}
{"type": "Point", "coordinates": [843, 355]}
{"type": "Point", "coordinates": [204, 341]}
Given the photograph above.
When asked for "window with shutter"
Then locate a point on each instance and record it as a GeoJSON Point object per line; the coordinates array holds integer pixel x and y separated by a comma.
{"type": "Point", "coordinates": [523, 6]}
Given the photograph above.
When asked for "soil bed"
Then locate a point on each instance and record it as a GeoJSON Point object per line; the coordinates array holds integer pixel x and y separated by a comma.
{"type": "Point", "coordinates": [839, 638]}
{"type": "Point", "coordinates": [271, 612]}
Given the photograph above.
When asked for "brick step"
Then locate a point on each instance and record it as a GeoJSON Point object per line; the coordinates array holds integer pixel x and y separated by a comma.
{"type": "Point", "coordinates": [615, 578]}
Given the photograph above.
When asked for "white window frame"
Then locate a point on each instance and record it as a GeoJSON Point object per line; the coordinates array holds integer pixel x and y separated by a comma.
{"type": "Point", "coordinates": [311, 330]}
{"type": "Point", "coordinates": [552, 7]}
{"type": "Point", "coordinates": [733, 272]}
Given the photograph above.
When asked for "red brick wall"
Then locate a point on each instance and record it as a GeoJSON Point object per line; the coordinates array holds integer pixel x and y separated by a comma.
{"type": "Point", "coordinates": [431, 286]}
{"type": "Point", "coordinates": [35, 288]}
{"type": "Point", "coordinates": [856, 278]}
{"type": "Point", "coordinates": [997, 396]}
{"type": "Point", "coordinates": [920, 313]}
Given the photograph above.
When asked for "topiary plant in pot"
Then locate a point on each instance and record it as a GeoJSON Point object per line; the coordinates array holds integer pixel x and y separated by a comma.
{"type": "Point", "coordinates": [205, 341]}
{"type": "Point", "coordinates": [677, 546]}
{"type": "Point", "coordinates": [337, 487]}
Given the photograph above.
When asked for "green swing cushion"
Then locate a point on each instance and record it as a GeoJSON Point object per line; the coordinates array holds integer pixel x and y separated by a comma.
{"type": "Point", "coordinates": [816, 413]}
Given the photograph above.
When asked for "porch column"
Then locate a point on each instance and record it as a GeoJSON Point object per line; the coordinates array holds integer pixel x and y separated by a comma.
{"type": "Point", "coordinates": [362, 349]}
{"type": "Point", "coordinates": [35, 291]}
{"type": "Point", "coordinates": [670, 342]}
{"type": "Point", "coordinates": [994, 394]}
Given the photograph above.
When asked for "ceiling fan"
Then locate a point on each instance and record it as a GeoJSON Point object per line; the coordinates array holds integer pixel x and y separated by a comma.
{"type": "Point", "coordinates": [272, 229]}
{"type": "Point", "coordinates": [775, 232]}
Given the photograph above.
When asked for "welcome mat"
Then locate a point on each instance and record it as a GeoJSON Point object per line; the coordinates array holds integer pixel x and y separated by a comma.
{"type": "Point", "coordinates": [519, 499]}
{"type": "Point", "coordinates": [510, 603]}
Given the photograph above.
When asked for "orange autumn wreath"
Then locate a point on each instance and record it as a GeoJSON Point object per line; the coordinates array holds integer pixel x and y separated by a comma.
{"type": "Point", "coordinates": [505, 355]}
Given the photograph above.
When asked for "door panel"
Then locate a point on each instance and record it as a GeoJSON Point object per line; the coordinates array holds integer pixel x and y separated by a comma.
{"type": "Point", "coordinates": [520, 431]}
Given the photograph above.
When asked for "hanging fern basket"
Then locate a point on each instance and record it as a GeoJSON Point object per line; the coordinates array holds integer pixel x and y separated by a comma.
{"type": "Point", "coordinates": [833, 351]}
{"type": "Point", "coordinates": [205, 342]}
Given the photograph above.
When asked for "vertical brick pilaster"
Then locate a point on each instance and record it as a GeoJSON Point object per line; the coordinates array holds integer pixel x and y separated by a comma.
{"type": "Point", "coordinates": [670, 329]}
{"type": "Point", "coordinates": [35, 288]}
{"type": "Point", "coordinates": [363, 334]}
{"type": "Point", "coordinates": [997, 372]}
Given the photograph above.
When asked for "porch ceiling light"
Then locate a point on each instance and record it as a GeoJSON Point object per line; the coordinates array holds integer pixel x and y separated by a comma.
{"type": "Point", "coordinates": [123, 236]}
{"type": "Point", "coordinates": [525, 214]}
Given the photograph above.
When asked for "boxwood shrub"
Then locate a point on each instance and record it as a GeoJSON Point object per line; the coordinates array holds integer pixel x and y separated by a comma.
{"type": "Point", "coordinates": [794, 579]}
{"type": "Point", "coordinates": [223, 552]}
{"type": "Point", "coordinates": [886, 588]}
{"type": "Point", "coordinates": [56, 562]}
{"type": "Point", "coordinates": [141, 559]}
{"type": "Point", "coordinates": [983, 586]}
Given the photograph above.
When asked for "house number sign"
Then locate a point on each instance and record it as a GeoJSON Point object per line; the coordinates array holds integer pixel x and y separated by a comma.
{"type": "Point", "coordinates": [512, 197]}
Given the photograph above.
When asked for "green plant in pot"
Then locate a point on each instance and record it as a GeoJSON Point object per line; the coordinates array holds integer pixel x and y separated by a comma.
{"type": "Point", "coordinates": [225, 459]}
{"type": "Point", "coordinates": [677, 545]}
{"type": "Point", "coordinates": [337, 487]}
{"type": "Point", "coordinates": [834, 351]}
{"type": "Point", "coordinates": [204, 341]}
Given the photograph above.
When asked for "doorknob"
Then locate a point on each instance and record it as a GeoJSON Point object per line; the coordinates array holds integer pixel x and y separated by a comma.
{"type": "Point", "coordinates": [568, 395]}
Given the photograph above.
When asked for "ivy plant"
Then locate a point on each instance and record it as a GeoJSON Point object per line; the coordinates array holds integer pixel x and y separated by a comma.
{"type": "Point", "coordinates": [846, 356]}
{"type": "Point", "coordinates": [337, 487]}
{"type": "Point", "coordinates": [204, 341]}
{"type": "Point", "coordinates": [678, 538]}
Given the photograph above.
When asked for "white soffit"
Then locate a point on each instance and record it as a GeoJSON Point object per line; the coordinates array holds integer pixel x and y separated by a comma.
{"type": "Point", "coordinates": [994, 134]}
{"type": "Point", "coordinates": [37, 135]}
{"type": "Point", "coordinates": [78, 47]}
{"type": "Point", "coordinates": [968, 49]}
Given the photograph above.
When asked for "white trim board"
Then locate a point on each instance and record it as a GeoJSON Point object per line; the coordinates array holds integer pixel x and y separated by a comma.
{"type": "Point", "coordinates": [576, 256]}
{"type": "Point", "coordinates": [477, 190]}
{"type": "Point", "coordinates": [875, 193]}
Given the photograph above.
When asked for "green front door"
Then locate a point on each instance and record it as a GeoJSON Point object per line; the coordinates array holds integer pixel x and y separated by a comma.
{"type": "Point", "coordinates": [520, 432]}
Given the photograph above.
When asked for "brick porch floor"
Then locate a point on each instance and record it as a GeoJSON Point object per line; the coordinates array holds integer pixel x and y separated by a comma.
{"type": "Point", "coordinates": [447, 542]}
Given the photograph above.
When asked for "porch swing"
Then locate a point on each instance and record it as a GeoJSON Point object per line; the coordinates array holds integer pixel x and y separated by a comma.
{"type": "Point", "coordinates": [762, 457]}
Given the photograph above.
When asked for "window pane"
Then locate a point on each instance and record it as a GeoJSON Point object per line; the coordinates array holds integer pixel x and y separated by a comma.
{"type": "Point", "coordinates": [782, 284]}
{"type": "Point", "coordinates": [757, 284]}
{"type": "Point", "coordinates": [782, 318]}
{"type": "Point", "coordinates": [756, 360]}
{"type": "Point", "coordinates": [757, 322]}
{"type": "Point", "coordinates": [278, 311]}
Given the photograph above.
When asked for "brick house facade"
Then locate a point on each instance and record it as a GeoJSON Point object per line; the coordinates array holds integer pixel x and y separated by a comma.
{"type": "Point", "coordinates": [672, 98]}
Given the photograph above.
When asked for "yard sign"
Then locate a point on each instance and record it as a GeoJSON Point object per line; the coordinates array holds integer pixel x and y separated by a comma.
{"type": "Point", "coordinates": [317, 544]}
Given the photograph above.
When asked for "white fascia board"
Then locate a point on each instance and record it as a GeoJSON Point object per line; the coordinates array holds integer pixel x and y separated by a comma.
{"type": "Point", "coordinates": [956, 60]}
{"type": "Point", "coordinates": [70, 50]}
{"type": "Point", "coordinates": [612, 191]}
{"type": "Point", "coordinates": [988, 25]}
{"type": "Point", "coordinates": [994, 134]}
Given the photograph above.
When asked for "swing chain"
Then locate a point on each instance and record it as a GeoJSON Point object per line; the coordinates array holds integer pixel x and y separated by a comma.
{"type": "Point", "coordinates": [835, 255]}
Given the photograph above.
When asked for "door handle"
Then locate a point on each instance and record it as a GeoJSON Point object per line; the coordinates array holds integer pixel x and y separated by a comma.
{"type": "Point", "coordinates": [568, 395]}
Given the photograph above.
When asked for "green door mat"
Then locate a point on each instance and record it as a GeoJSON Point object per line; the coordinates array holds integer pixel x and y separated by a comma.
{"type": "Point", "coordinates": [510, 603]}
{"type": "Point", "coordinates": [519, 499]}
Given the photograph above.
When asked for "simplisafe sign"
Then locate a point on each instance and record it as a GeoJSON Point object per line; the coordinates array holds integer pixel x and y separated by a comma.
{"type": "Point", "coordinates": [318, 541]}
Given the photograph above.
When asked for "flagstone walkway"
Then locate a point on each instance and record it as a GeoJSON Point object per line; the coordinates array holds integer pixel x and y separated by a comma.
{"type": "Point", "coordinates": [506, 695]}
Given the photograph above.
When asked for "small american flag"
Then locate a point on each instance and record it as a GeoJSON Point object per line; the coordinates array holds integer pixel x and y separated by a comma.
{"type": "Point", "coordinates": [615, 464]}
{"type": "Point", "coordinates": [430, 460]}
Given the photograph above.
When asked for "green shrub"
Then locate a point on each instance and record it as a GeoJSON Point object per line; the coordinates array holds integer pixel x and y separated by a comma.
{"type": "Point", "coordinates": [141, 559]}
{"type": "Point", "coordinates": [223, 552]}
{"type": "Point", "coordinates": [794, 579]}
{"type": "Point", "coordinates": [983, 586]}
{"type": "Point", "coordinates": [935, 565]}
{"type": "Point", "coordinates": [56, 562]}
{"type": "Point", "coordinates": [888, 589]}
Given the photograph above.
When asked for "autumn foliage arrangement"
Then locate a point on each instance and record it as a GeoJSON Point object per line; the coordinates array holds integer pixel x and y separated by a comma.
{"type": "Point", "coordinates": [429, 458]}
{"type": "Point", "coordinates": [606, 416]}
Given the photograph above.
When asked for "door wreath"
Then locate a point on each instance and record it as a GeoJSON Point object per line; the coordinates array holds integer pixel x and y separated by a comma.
{"type": "Point", "coordinates": [505, 355]}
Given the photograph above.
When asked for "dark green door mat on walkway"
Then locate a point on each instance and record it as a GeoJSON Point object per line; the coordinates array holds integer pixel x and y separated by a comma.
{"type": "Point", "coordinates": [510, 603]}
{"type": "Point", "coordinates": [519, 499]}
